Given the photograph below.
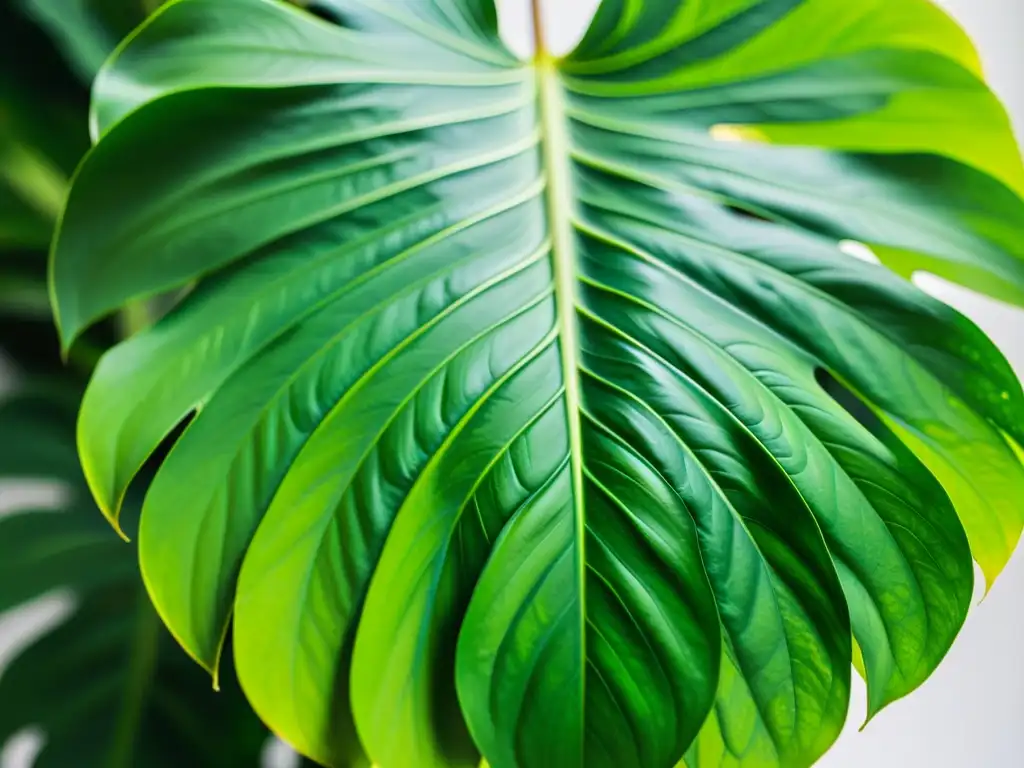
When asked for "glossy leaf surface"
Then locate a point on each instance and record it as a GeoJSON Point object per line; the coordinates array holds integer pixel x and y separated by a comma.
{"type": "Point", "coordinates": [107, 685]}
{"type": "Point", "coordinates": [520, 390]}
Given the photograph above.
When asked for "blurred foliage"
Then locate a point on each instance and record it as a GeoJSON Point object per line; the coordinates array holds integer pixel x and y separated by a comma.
{"type": "Point", "coordinates": [43, 135]}
{"type": "Point", "coordinates": [108, 685]}
{"type": "Point", "coordinates": [87, 30]}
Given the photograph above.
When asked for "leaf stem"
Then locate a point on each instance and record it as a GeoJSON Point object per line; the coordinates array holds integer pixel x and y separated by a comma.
{"type": "Point", "coordinates": [539, 44]}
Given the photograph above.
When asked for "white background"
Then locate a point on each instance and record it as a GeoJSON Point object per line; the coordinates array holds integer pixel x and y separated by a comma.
{"type": "Point", "coordinates": [971, 713]}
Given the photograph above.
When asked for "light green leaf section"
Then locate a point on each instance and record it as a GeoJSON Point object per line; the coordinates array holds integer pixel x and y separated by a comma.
{"type": "Point", "coordinates": [534, 411]}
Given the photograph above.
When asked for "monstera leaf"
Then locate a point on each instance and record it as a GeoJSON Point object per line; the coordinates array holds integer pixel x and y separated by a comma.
{"type": "Point", "coordinates": [520, 388]}
{"type": "Point", "coordinates": [108, 686]}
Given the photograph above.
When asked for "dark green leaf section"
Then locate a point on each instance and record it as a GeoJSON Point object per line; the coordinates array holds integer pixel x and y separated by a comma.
{"type": "Point", "coordinates": [510, 430]}
{"type": "Point", "coordinates": [108, 685]}
{"type": "Point", "coordinates": [42, 137]}
{"type": "Point", "coordinates": [38, 150]}
{"type": "Point", "coordinates": [87, 30]}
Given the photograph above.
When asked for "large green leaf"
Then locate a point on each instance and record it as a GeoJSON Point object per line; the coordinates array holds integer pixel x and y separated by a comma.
{"type": "Point", "coordinates": [520, 389]}
{"type": "Point", "coordinates": [108, 685]}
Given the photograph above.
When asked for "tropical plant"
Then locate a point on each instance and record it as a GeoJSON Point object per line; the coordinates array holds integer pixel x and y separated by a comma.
{"type": "Point", "coordinates": [536, 410]}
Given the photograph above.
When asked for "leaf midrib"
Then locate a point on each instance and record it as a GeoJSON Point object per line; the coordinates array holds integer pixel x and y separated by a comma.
{"type": "Point", "coordinates": [559, 194]}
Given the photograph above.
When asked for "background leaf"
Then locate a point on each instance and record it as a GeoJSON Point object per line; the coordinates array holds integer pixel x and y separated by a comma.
{"type": "Point", "coordinates": [107, 685]}
{"type": "Point", "coordinates": [87, 30]}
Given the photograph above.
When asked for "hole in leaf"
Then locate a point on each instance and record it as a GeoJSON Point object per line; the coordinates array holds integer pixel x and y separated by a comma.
{"type": "Point", "coordinates": [858, 251]}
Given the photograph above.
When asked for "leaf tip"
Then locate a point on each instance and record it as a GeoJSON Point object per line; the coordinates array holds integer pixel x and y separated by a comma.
{"type": "Point", "coordinates": [112, 514]}
{"type": "Point", "coordinates": [872, 711]}
{"type": "Point", "coordinates": [120, 532]}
